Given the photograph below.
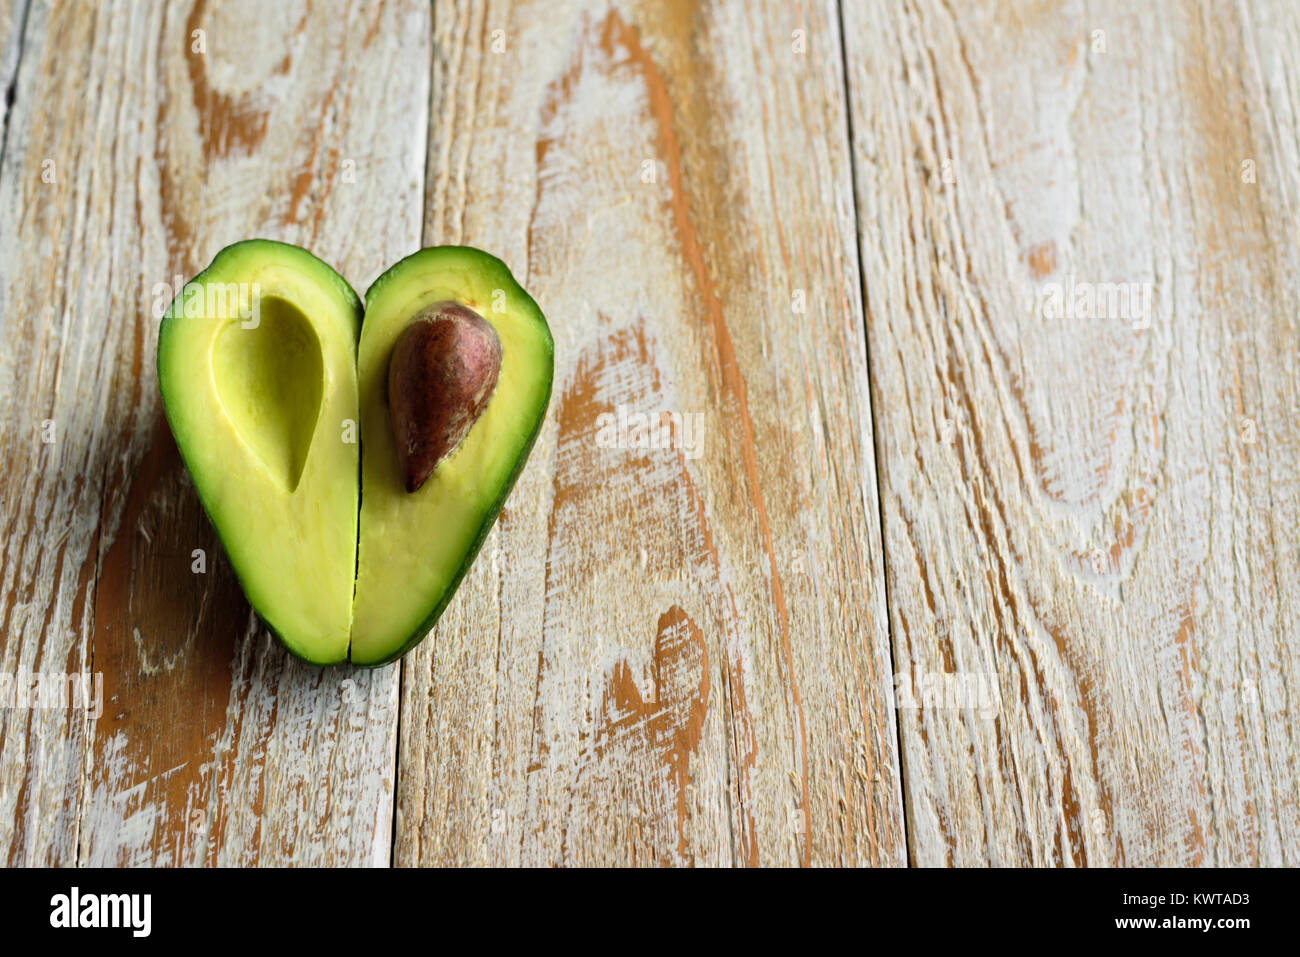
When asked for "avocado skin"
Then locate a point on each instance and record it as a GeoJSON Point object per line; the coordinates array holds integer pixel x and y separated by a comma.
{"type": "Point", "coordinates": [341, 286]}
{"type": "Point", "coordinates": [393, 274]}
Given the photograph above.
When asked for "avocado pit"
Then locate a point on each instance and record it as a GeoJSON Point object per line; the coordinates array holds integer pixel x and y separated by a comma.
{"type": "Point", "coordinates": [441, 374]}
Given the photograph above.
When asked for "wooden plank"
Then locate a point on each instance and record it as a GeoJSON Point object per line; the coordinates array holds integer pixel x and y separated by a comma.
{"type": "Point", "coordinates": [1099, 509]}
{"type": "Point", "coordinates": [668, 654]}
{"type": "Point", "coordinates": [50, 494]}
{"type": "Point", "coordinates": [213, 746]}
{"type": "Point", "coordinates": [11, 29]}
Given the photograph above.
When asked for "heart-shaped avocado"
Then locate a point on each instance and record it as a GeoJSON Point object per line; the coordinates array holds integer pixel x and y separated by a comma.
{"type": "Point", "coordinates": [352, 462]}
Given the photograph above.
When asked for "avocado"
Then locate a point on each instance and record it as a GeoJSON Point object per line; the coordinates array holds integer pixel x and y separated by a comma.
{"type": "Point", "coordinates": [415, 547]}
{"type": "Point", "coordinates": [257, 368]}
{"type": "Point", "coordinates": [353, 462]}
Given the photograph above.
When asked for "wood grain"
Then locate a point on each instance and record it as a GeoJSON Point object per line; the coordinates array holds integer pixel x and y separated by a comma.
{"type": "Point", "coordinates": [683, 651]}
{"type": "Point", "coordinates": [11, 27]}
{"type": "Point", "coordinates": [1100, 511]}
{"type": "Point", "coordinates": [213, 745]}
{"type": "Point", "coordinates": [662, 657]}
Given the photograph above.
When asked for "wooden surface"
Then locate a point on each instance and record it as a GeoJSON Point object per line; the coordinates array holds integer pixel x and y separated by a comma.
{"type": "Point", "coordinates": [1103, 514]}
{"type": "Point", "coordinates": [822, 237]}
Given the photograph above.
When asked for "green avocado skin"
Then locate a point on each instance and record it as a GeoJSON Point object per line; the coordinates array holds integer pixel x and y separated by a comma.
{"type": "Point", "coordinates": [489, 519]}
{"type": "Point", "coordinates": [236, 249]}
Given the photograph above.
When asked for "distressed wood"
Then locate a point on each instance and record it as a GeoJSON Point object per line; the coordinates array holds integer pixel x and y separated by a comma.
{"type": "Point", "coordinates": [662, 658]}
{"type": "Point", "coordinates": [1101, 513]}
{"type": "Point", "coordinates": [213, 745]}
{"type": "Point", "coordinates": [50, 493]}
{"type": "Point", "coordinates": [11, 23]}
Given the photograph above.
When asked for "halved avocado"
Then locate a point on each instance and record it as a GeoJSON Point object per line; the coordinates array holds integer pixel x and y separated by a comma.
{"type": "Point", "coordinates": [415, 547]}
{"type": "Point", "coordinates": [264, 386]}
{"type": "Point", "coordinates": [257, 369]}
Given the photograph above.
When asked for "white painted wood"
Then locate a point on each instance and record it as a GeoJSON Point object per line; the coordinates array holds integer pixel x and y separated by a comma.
{"type": "Point", "coordinates": [213, 745]}
{"type": "Point", "coordinates": [11, 22]}
{"type": "Point", "coordinates": [50, 491]}
{"type": "Point", "coordinates": [662, 657]}
{"type": "Point", "coordinates": [1101, 513]}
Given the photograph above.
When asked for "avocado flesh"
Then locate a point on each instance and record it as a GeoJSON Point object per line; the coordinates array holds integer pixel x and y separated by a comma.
{"type": "Point", "coordinates": [259, 416]}
{"type": "Point", "coordinates": [415, 547]}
